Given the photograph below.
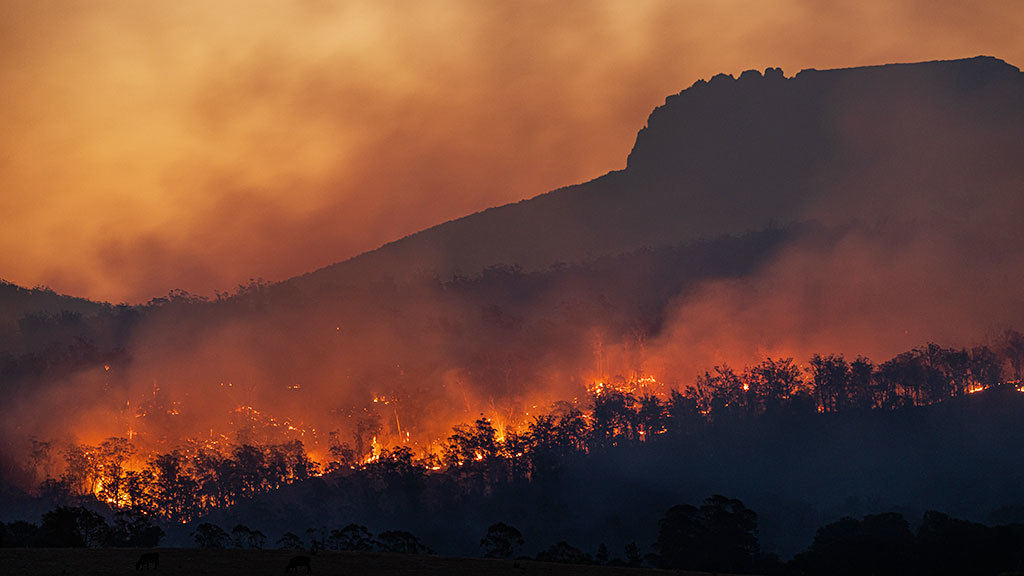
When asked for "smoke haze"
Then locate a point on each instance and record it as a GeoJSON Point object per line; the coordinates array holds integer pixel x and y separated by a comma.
{"type": "Point", "coordinates": [150, 147]}
{"type": "Point", "coordinates": [863, 211]}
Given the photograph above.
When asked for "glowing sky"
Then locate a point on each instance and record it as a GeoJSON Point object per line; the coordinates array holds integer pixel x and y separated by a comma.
{"type": "Point", "coordinates": [155, 145]}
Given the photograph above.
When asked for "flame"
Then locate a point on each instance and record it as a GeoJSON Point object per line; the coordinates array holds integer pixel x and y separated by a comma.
{"type": "Point", "coordinates": [640, 385]}
{"type": "Point", "coordinates": [374, 452]}
{"type": "Point", "coordinates": [261, 425]}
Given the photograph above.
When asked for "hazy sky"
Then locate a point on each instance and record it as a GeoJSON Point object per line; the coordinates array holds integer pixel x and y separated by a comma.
{"type": "Point", "coordinates": [147, 146]}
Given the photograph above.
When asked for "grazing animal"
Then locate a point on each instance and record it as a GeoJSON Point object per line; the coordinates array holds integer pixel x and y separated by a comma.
{"type": "Point", "coordinates": [298, 561]}
{"type": "Point", "coordinates": [147, 559]}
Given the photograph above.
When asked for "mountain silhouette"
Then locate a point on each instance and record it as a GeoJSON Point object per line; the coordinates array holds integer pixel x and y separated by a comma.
{"type": "Point", "coordinates": [731, 155]}
{"type": "Point", "coordinates": [855, 211]}
{"type": "Point", "coordinates": [862, 211]}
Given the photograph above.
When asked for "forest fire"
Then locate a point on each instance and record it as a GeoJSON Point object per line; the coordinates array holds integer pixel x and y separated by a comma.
{"type": "Point", "coordinates": [252, 451]}
{"type": "Point", "coordinates": [653, 332]}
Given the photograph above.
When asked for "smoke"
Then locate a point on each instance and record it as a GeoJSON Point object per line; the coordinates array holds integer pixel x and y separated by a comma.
{"type": "Point", "coordinates": [194, 146]}
{"type": "Point", "coordinates": [923, 206]}
{"type": "Point", "coordinates": [279, 162]}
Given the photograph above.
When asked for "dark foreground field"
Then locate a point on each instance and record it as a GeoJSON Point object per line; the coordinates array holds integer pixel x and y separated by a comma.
{"type": "Point", "coordinates": [111, 562]}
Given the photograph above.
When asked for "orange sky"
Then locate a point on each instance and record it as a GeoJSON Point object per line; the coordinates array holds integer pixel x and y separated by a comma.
{"type": "Point", "coordinates": [148, 146]}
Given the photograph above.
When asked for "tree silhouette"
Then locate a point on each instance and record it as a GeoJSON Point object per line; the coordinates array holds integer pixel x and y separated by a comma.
{"type": "Point", "coordinates": [572, 430]}
{"type": "Point", "coordinates": [251, 467]}
{"type": "Point", "coordinates": [342, 455]}
{"type": "Point", "coordinates": [352, 538]}
{"type": "Point", "coordinates": [469, 444]}
{"type": "Point", "coordinates": [612, 418]}
{"type": "Point", "coordinates": [984, 366]}
{"type": "Point", "coordinates": [71, 527]}
{"type": "Point", "coordinates": [290, 541]}
{"type": "Point", "coordinates": [652, 417]}
{"type": "Point", "coordinates": [501, 541]}
{"type": "Point", "coordinates": [862, 392]}
{"type": "Point", "coordinates": [209, 535]}
{"type": "Point", "coordinates": [563, 552]}
{"type": "Point", "coordinates": [317, 538]}
{"type": "Point", "coordinates": [897, 383]}
{"type": "Point", "coordinates": [138, 489]}
{"type": "Point", "coordinates": [950, 546]}
{"type": "Point", "coordinates": [772, 382]}
{"type": "Point", "coordinates": [240, 536]}
{"type": "Point", "coordinates": [134, 529]}
{"type": "Point", "coordinates": [80, 471]}
{"type": "Point", "coordinates": [879, 544]}
{"type": "Point", "coordinates": [723, 393]}
{"type": "Point", "coordinates": [112, 457]}
{"type": "Point", "coordinates": [174, 490]}
{"type": "Point", "coordinates": [513, 450]}
{"type": "Point", "coordinates": [831, 377]}
{"type": "Point", "coordinates": [633, 556]}
{"type": "Point", "coordinates": [56, 491]}
{"type": "Point", "coordinates": [721, 535]}
{"type": "Point", "coordinates": [543, 451]}
{"type": "Point", "coordinates": [21, 534]}
{"type": "Point", "coordinates": [400, 542]}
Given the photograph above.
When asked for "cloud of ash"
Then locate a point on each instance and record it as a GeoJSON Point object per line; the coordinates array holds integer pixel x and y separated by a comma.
{"type": "Point", "coordinates": [150, 147]}
{"type": "Point", "coordinates": [279, 154]}
{"type": "Point", "coordinates": [926, 246]}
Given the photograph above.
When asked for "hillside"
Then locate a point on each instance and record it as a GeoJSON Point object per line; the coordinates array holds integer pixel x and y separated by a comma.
{"type": "Point", "coordinates": [862, 211]}
{"type": "Point", "coordinates": [865, 211]}
{"type": "Point", "coordinates": [730, 155]}
{"type": "Point", "coordinates": [17, 302]}
{"type": "Point", "coordinates": [798, 472]}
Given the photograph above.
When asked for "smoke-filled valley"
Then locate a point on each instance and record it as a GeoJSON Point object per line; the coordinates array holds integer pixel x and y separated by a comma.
{"type": "Point", "coordinates": [760, 221]}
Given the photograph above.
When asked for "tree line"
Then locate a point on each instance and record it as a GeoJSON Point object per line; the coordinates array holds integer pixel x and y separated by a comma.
{"type": "Point", "coordinates": [719, 535]}
{"type": "Point", "coordinates": [179, 485]}
{"type": "Point", "coordinates": [199, 477]}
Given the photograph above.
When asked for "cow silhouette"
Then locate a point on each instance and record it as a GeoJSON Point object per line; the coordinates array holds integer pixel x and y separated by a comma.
{"type": "Point", "coordinates": [148, 558]}
{"type": "Point", "coordinates": [298, 561]}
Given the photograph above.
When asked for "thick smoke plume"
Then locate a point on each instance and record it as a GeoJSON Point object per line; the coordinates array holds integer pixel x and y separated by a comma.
{"type": "Point", "coordinates": [901, 231]}
{"type": "Point", "coordinates": [150, 147]}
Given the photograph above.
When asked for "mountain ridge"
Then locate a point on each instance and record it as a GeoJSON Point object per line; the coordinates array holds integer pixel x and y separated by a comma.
{"type": "Point", "coordinates": [672, 180]}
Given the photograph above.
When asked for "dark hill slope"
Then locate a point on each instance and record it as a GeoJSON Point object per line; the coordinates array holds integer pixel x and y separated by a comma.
{"type": "Point", "coordinates": [732, 155]}
{"type": "Point", "coordinates": [797, 471]}
{"type": "Point", "coordinates": [16, 303]}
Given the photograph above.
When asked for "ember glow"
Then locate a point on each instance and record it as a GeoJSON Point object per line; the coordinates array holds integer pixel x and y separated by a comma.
{"type": "Point", "coordinates": [824, 246]}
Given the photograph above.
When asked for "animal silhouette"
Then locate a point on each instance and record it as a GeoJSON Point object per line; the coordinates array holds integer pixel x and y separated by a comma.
{"type": "Point", "coordinates": [148, 558]}
{"type": "Point", "coordinates": [298, 561]}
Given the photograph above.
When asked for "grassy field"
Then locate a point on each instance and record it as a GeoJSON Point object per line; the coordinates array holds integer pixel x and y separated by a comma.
{"type": "Point", "coordinates": [111, 562]}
